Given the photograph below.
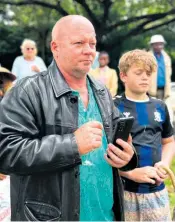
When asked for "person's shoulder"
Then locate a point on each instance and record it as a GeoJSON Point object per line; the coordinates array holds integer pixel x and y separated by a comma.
{"type": "Point", "coordinates": [156, 101]}
{"type": "Point", "coordinates": [112, 70]}
{"type": "Point", "coordinates": [118, 98]}
{"type": "Point", "coordinates": [93, 71]}
{"type": "Point", "coordinates": [30, 83]}
{"type": "Point", "coordinates": [165, 54]}
{"type": "Point", "coordinates": [95, 82]}
{"type": "Point", "coordinates": [19, 59]}
{"type": "Point", "coordinates": [98, 86]}
{"type": "Point", "coordinates": [37, 58]}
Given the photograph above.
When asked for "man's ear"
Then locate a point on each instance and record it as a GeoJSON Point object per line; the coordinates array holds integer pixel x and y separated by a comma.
{"type": "Point", "coordinates": [54, 47]}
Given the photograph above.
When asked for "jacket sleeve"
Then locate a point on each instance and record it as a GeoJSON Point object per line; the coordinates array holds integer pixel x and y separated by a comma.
{"type": "Point", "coordinates": [22, 149]}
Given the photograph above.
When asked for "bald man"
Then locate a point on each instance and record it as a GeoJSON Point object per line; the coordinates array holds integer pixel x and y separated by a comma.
{"type": "Point", "coordinates": [56, 129]}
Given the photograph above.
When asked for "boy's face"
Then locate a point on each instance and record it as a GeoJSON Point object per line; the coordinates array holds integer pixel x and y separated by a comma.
{"type": "Point", "coordinates": [137, 79]}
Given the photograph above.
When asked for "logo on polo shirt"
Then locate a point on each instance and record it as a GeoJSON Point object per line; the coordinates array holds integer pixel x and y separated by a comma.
{"type": "Point", "coordinates": [126, 114]}
{"type": "Point", "coordinates": [157, 116]}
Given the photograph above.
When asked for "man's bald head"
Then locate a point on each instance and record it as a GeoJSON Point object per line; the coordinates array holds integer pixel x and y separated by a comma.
{"type": "Point", "coordinates": [65, 24]}
{"type": "Point", "coordinates": [74, 45]}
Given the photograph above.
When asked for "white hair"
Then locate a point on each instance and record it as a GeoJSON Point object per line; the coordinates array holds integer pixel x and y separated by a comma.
{"type": "Point", "coordinates": [28, 41]}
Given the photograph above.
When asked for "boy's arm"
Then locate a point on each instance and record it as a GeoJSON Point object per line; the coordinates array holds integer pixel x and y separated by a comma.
{"type": "Point", "coordinates": [168, 143]}
{"type": "Point", "coordinates": [168, 152]}
{"type": "Point", "coordinates": [146, 174]}
{"type": "Point", "coordinates": [168, 146]}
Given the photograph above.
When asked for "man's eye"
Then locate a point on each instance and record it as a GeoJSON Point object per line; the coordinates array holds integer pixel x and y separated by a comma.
{"type": "Point", "coordinates": [79, 43]}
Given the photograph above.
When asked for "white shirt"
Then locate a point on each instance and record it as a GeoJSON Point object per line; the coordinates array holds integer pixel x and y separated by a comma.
{"type": "Point", "coordinates": [22, 67]}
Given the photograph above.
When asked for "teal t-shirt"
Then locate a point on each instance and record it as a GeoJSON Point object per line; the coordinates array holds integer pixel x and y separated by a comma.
{"type": "Point", "coordinates": [96, 178]}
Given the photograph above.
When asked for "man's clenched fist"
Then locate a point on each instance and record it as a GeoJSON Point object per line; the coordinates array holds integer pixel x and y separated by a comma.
{"type": "Point", "coordinates": [89, 137]}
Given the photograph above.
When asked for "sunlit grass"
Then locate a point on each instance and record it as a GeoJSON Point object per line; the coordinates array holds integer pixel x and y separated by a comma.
{"type": "Point", "coordinates": [170, 188]}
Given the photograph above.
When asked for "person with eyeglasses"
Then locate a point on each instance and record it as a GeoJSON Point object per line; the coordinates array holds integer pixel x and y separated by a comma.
{"type": "Point", "coordinates": [29, 63]}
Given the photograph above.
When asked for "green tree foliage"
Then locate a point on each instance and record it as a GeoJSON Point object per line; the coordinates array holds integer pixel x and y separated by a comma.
{"type": "Point", "coordinates": [120, 25]}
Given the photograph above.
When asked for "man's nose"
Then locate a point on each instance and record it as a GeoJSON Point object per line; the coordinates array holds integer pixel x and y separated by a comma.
{"type": "Point", "coordinates": [87, 49]}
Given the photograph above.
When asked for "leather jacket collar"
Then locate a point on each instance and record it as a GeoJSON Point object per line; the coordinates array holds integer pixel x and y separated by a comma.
{"type": "Point", "coordinates": [60, 86]}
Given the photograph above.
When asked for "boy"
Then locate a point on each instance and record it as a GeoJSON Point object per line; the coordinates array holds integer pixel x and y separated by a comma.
{"type": "Point", "coordinates": [106, 75]}
{"type": "Point", "coordinates": [146, 198]}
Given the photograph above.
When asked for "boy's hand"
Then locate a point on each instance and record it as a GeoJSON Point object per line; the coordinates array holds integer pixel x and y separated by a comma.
{"type": "Point", "coordinates": [161, 172]}
{"type": "Point", "coordinates": [146, 174]}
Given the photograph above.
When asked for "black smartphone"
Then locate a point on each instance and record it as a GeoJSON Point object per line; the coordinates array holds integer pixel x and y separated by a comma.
{"type": "Point", "coordinates": [122, 130]}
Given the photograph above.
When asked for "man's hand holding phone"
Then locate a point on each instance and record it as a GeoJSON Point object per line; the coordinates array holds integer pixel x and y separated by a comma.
{"type": "Point", "coordinates": [120, 152]}
{"type": "Point", "coordinates": [117, 157]}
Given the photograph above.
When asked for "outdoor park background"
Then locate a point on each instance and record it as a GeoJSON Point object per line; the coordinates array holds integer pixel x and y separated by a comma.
{"type": "Point", "coordinates": [121, 25]}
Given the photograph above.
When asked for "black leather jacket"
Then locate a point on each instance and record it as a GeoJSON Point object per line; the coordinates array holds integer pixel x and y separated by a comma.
{"type": "Point", "coordinates": [38, 148]}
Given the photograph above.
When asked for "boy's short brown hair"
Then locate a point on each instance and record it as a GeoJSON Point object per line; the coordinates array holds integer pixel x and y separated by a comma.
{"type": "Point", "coordinates": [138, 57]}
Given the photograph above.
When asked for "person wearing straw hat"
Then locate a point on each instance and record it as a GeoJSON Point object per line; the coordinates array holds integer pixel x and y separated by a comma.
{"type": "Point", "coordinates": [160, 86]}
{"type": "Point", "coordinates": [6, 81]}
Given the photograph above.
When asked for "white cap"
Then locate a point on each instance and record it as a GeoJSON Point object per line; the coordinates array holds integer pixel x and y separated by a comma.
{"type": "Point", "coordinates": [157, 38]}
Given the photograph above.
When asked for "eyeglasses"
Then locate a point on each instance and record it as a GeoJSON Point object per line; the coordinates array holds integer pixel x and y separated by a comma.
{"type": "Point", "coordinates": [30, 48]}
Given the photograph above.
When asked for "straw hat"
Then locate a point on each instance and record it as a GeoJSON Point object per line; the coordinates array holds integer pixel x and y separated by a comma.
{"type": "Point", "coordinates": [6, 73]}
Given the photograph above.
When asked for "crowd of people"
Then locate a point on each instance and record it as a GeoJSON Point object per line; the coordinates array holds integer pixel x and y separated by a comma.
{"type": "Point", "coordinates": [57, 124]}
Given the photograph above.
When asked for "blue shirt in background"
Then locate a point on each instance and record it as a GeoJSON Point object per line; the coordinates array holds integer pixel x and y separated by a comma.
{"type": "Point", "coordinates": [96, 178]}
{"type": "Point", "coordinates": [160, 70]}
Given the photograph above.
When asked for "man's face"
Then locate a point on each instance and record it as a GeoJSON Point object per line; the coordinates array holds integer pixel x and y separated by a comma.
{"type": "Point", "coordinates": [103, 60]}
{"type": "Point", "coordinates": [157, 47]}
{"type": "Point", "coordinates": [29, 50]}
{"type": "Point", "coordinates": [137, 79]}
{"type": "Point", "coordinates": [77, 50]}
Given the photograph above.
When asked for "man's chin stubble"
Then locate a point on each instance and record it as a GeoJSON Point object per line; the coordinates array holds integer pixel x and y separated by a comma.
{"type": "Point", "coordinates": [79, 74]}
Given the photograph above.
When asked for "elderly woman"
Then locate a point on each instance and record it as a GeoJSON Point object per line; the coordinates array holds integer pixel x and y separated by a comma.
{"type": "Point", "coordinates": [28, 64]}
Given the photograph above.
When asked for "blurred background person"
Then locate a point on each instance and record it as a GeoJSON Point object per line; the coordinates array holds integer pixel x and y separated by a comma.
{"type": "Point", "coordinates": [29, 63]}
{"type": "Point", "coordinates": [161, 83]}
{"type": "Point", "coordinates": [106, 75]}
{"type": "Point", "coordinates": [6, 81]}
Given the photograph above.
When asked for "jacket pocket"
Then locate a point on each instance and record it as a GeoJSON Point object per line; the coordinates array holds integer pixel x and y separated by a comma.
{"type": "Point", "coordinates": [38, 211]}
